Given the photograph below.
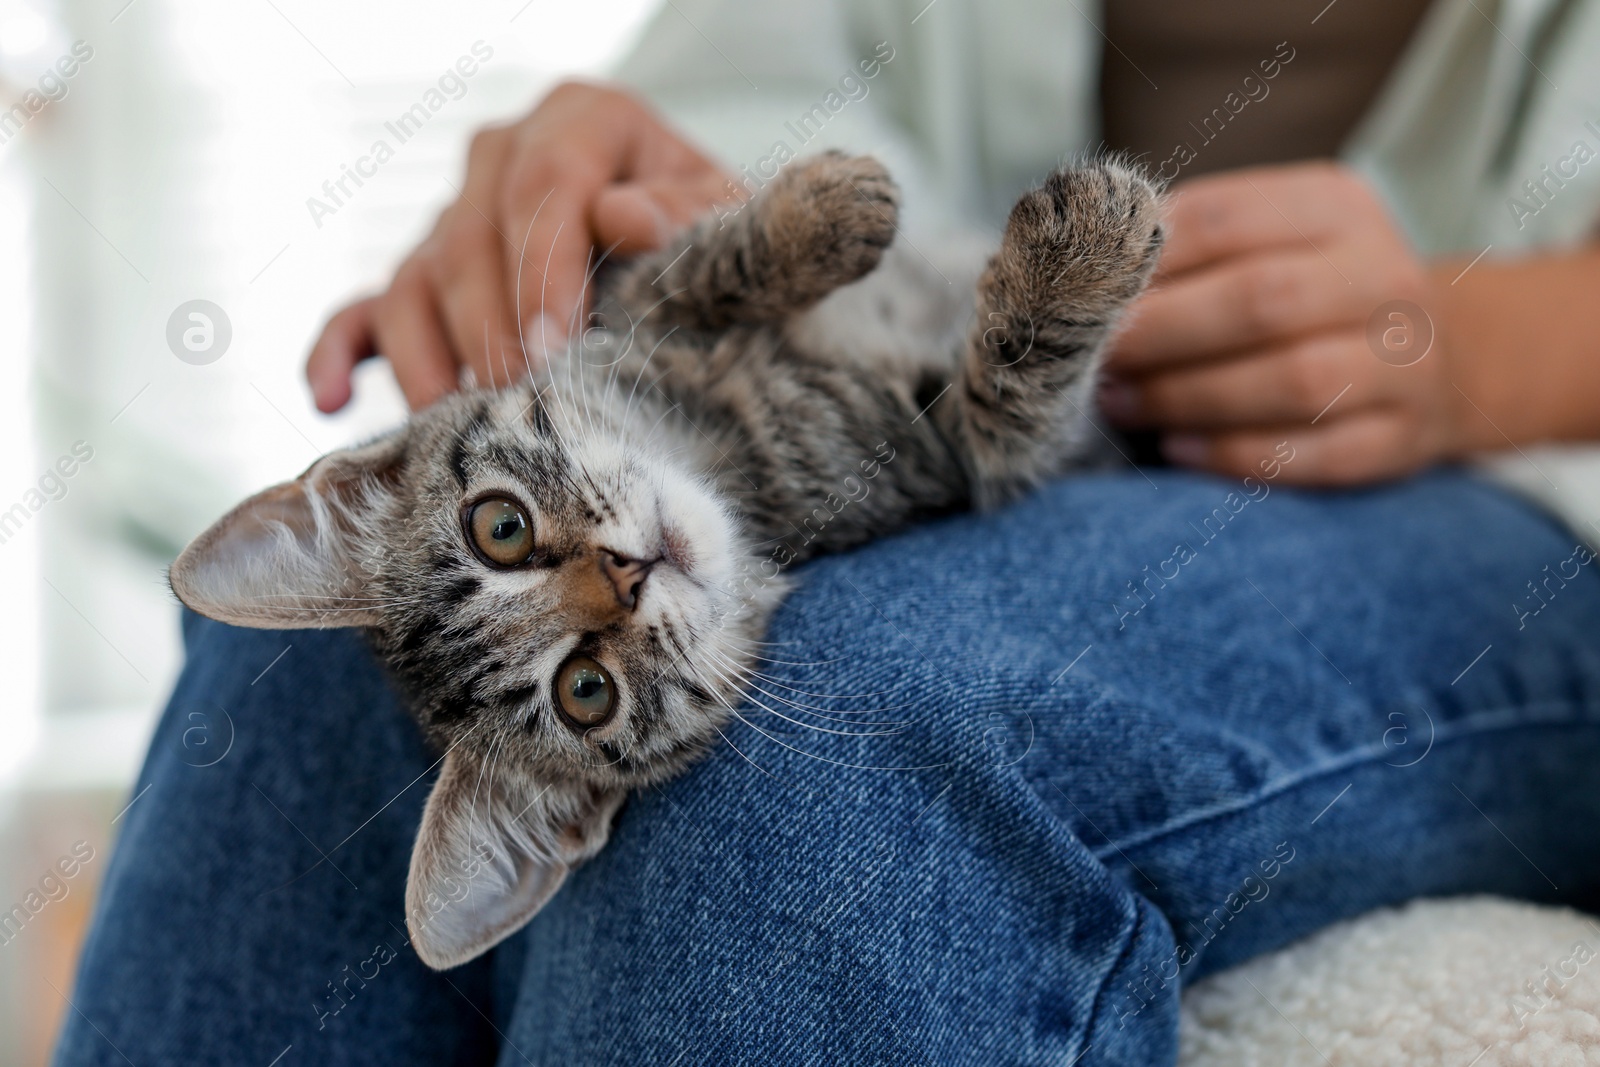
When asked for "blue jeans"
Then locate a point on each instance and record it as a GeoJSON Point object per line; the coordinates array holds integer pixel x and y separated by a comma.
{"type": "Point", "coordinates": [1011, 781]}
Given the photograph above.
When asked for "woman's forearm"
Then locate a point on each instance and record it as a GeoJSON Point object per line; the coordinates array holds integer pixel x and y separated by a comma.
{"type": "Point", "coordinates": [1522, 340]}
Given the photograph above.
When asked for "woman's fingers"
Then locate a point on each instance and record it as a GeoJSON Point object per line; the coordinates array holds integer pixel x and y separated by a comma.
{"type": "Point", "coordinates": [1295, 382]}
{"type": "Point", "coordinates": [1350, 417]}
{"type": "Point", "coordinates": [505, 275]}
{"type": "Point", "coordinates": [1242, 303]}
{"type": "Point", "coordinates": [465, 257]}
{"type": "Point", "coordinates": [346, 340]}
{"type": "Point", "coordinates": [578, 141]}
{"type": "Point", "coordinates": [546, 270]}
{"type": "Point", "coordinates": [643, 215]}
{"type": "Point", "coordinates": [1233, 213]}
{"type": "Point", "coordinates": [564, 207]}
{"type": "Point", "coordinates": [408, 332]}
{"type": "Point", "coordinates": [465, 273]}
{"type": "Point", "coordinates": [1362, 446]}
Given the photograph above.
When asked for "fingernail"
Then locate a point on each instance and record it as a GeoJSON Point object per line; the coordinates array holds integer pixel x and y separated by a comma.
{"type": "Point", "coordinates": [544, 336]}
{"type": "Point", "coordinates": [1119, 400]}
{"type": "Point", "coordinates": [1187, 449]}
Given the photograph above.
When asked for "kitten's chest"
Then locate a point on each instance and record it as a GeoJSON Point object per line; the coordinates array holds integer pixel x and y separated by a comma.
{"type": "Point", "coordinates": [911, 312]}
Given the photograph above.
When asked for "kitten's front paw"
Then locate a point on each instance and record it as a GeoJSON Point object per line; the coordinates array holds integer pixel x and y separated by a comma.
{"type": "Point", "coordinates": [1094, 229]}
{"type": "Point", "coordinates": [831, 216]}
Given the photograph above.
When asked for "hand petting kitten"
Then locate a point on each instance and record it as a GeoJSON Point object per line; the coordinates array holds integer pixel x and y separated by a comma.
{"type": "Point", "coordinates": [591, 167]}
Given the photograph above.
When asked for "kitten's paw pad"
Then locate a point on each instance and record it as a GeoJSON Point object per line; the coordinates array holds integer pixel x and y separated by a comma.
{"type": "Point", "coordinates": [1097, 226]}
{"type": "Point", "coordinates": [834, 214]}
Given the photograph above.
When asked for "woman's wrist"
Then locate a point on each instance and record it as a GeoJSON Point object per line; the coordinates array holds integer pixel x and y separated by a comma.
{"type": "Point", "coordinates": [1519, 341]}
{"type": "Point", "coordinates": [1465, 428]}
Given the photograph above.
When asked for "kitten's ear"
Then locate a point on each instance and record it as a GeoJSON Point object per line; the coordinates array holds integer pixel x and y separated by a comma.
{"type": "Point", "coordinates": [298, 554]}
{"type": "Point", "coordinates": [489, 856]}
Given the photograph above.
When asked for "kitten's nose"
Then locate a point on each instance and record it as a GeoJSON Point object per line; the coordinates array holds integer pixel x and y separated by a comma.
{"type": "Point", "coordinates": [627, 575]}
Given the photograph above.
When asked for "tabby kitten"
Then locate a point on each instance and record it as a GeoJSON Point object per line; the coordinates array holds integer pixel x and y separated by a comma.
{"type": "Point", "coordinates": [569, 576]}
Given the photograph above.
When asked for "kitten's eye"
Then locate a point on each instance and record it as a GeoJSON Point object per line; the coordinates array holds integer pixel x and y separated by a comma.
{"type": "Point", "coordinates": [584, 691]}
{"type": "Point", "coordinates": [501, 531]}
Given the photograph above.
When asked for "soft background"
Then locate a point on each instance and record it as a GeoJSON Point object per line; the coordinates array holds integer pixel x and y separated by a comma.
{"type": "Point", "coordinates": [177, 167]}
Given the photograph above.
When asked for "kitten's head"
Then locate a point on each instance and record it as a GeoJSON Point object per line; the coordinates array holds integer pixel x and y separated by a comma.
{"type": "Point", "coordinates": [568, 611]}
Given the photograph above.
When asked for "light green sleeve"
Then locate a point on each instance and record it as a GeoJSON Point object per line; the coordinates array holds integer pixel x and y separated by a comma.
{"type": "Point", "coordinates": [759, 82]}
{"type": "Point", "coordinates": [1486, 143]}
{"type": "Point", "coordinates": [1487, 135]}
{"type": "Point", "coordinates": [980, 99]}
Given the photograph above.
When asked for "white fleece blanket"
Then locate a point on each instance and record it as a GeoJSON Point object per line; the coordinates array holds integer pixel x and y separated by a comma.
{"type": "Point", "coordinates": [1470, 982]}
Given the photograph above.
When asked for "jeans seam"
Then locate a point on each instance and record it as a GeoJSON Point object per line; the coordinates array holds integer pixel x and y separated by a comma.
{"type": "Point", "coordinates": [1354, 758]}
{"type": "Point", "coordinates": [1096, 1008]}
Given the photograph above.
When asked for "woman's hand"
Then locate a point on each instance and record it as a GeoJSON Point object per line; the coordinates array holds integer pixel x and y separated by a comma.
{"type": "Point", "coordinates": [589, 168]}
{"type": "Point", "coordinates": [1257, 331]}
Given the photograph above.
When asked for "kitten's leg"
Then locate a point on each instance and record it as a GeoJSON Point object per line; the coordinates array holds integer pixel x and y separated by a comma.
{"type": "Point", "coordinates": [1076, 252]}
{"type": "Point", "coordinates": [822, 222]}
